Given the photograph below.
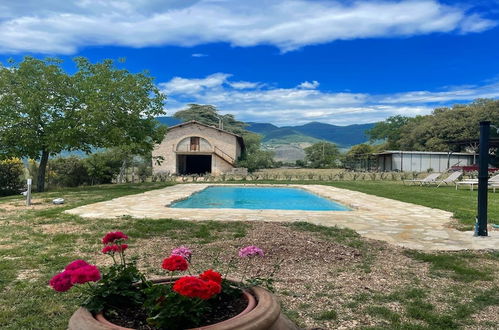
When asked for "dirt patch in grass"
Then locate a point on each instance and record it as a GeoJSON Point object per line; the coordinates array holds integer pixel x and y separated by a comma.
{"type": "Point", "coordinates": [28, 275]}
{"type": "Point", "coordinates": [20, 205]}
{"type": "Point", "coordinates": [329, 278]}
{"type": "Point", "coordinates": [326, 284]}
{"type": "Point", "coordinates": [62, 228]}
{"type": "Point", "coordinates": [4, 246]}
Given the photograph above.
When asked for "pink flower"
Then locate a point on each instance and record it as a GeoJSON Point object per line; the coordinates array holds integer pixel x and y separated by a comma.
{"type": "Point", "coordinates": [111, 237]}
{"type": "Point", "coordinates": [111, 249]}
{"type": "Point", "coordinates": [61, 282]}
{"type": "Point", "coordinates": [78, 263]}
{"type": "Point", "coordinates": [250, 251]}
{"type": "Point", "coordinates": [182, 251]}
{"type": "Point", "coordinates": [85, 274]}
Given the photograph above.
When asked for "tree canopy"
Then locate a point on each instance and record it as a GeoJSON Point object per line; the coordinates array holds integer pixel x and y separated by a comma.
{"type": "Point", "coordinates": [208, 114]}
{"type": "Point", "coordinates": [44, 110]}
{"type": "Point", "coordinates": [437, 131]}
{"type": "Point", "coordinates": [322, 155]}
{"type": "Point", "coordinates": [389, 131]}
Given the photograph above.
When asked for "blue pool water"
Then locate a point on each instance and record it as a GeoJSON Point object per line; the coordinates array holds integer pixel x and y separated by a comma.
{"type": "Point", "coordinates": [273, 198]}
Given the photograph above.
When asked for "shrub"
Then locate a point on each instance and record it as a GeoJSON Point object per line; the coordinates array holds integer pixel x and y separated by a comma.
{"type": "Point", "coordinates": [11, 173]}
{"type": "Point", "coordinates": [68, 172]}
{"type": "Point", "coordinates": [104, 167]}
{"type": "Point", "coordinates": [257, 160]}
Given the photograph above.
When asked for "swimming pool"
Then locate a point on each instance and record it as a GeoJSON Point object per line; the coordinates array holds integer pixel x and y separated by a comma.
{"type": "Point", "coordinates": [269, 198]}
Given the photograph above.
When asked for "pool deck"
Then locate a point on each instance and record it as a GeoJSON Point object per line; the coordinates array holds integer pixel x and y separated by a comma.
{"type": "Point", "coordinates": [403, 224]}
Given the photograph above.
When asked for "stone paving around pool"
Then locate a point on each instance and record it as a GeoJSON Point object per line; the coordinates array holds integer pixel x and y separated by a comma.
{"type": "Point", "coordinates": [404, 224]}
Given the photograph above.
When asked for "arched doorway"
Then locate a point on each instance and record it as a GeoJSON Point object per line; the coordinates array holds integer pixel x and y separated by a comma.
{"type": "Point", "coordinates": [194, 156]}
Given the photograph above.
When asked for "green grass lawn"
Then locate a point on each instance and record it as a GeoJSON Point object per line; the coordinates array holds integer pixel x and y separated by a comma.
{"type": "Point", "coordinates": [462, 203]}
{"type": "Point", "coordinates": [447, 290]}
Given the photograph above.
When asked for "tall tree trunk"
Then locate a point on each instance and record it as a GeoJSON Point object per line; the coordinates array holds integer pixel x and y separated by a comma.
{"type": "Point", "coordinates": [41, 171]}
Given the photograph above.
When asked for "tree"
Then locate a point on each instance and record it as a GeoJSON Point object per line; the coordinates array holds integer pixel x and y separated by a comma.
{"type": "Point", "coordinates": [389, 131]}
{"type": "Point", "coordinates": [44, 110]}
{"type": "Point", "coordinates": [322, 155]}
{"type": "Point", "coordinates": [208, 114]}
{"type": "Point", "coordinates": [68, 171]}
{"type": "Point", "coordinates": [105, 166]}
{"type": "Point", "coordinates": [361, 150]}
{"type": "Point", "coordinates": [359, 156]}
{"type": "Point", "coordinates": [437, 131]}
{"type": "Point", "coordinates": [254, 158]}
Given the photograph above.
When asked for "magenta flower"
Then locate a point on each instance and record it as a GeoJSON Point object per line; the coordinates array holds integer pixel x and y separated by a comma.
{"type": "Point", "coordinates": [111, 249]}
{"type": "Point", "coordinates": [182, 251]}
{"type": "Point", "coordinates": [250, 251]}
{"type": "Point", "coordinates": [114, 236]}
{"type": "Point", "coordinates": [85, 274]}
{"type": "Point", "coordinates": [61, 282]}
{"type": "Point", "coordinates": [78, 263]}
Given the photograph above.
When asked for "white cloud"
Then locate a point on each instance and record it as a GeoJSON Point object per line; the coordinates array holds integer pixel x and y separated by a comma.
{"type": "Point", "coordinates": [183, 86]}
{"type": "Point", "coordinates": [290, 106]}
{"type": "Point", "coordinates": [53, 26]}
{"type": "Point", "coordinates": [244, 84]}
{"type": "Point", "coordinates": [309, 85]}
{"type": "Point", "coordinates": [199, 55]}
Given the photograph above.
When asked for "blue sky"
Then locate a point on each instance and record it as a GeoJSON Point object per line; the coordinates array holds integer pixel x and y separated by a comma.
{"type": "Point", "coordinates": [285, 62]}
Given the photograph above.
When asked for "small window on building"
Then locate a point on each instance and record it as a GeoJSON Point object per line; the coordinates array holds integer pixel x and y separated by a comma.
{"type": "Point", "coordinates": [195, 143]}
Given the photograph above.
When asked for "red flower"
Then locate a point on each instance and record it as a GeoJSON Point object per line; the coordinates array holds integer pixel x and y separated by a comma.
{"type": "Point", "coordinates": [213, 288]}
{"type": "Point", "coordinates": [76, 264]}
{"type": "Point", "coordinates": [173, 263]}
{"type": "Point", "coordinates": [189, 286]}
{"type": "Point", "coordinates": [61, 282]}
{"type": "Point", "coordinates": [211, 275]}
{"type": "Point", "coordinates": [85, 274]}
{"type": "Point", "coordinates": [194, 287]}
{"type": "Point", "coordinates": [114, 248]}
{"type": "Point", "coordinates": [111, 237]}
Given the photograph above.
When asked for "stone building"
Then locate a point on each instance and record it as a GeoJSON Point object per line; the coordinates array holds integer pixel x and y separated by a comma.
{"type": "Point", "coordinates": [196, 148]}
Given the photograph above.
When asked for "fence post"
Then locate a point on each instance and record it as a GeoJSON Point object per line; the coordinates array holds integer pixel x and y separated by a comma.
{"type": "Point", "coordinates": [28, 193]}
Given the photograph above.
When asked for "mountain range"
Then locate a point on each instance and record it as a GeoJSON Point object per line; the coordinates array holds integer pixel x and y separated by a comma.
{"type": "Point", "coordinates": [343, 136]}
{"type": "Point", "coordinates": [288, 142]}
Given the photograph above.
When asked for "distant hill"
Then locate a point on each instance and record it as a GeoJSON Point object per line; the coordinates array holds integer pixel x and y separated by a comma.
{"type": "Point", "coordinates": [261, 128]}
{"type": "Point", "coordinates": [344, 136]}
{"type": "Point", "coordinates": [288, 142]}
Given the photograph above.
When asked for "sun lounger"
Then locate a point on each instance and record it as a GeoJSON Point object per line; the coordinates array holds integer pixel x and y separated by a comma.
{"type": "Point", "coordinates": [493, 181]}
{"type": "Point", "coordinates": [451, 179]}
{"type": "Point", "coordinates": [428, 180]}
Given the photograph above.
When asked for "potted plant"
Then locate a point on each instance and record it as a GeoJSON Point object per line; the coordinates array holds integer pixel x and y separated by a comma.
{"type": "Point", "coordinates": [120, 297]}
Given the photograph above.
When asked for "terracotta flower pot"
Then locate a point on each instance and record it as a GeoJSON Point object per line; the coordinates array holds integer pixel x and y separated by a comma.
{"type": "Point", "coordinates": [263, 312]}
